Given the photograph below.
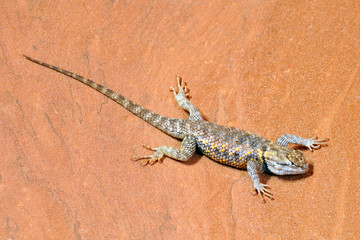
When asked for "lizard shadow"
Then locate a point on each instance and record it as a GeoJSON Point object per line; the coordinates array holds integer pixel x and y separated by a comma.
{"type": "Point", "coordinates": [194, 159]}
{"type": "Point", "coordinates": [298, 147]}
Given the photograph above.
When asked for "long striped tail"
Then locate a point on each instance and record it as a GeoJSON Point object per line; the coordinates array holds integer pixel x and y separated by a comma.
{"type": "Point", "coordinates": [158, 121]}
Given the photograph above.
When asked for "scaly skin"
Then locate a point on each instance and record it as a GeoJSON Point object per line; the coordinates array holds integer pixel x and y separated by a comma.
{"type": "Point", "coordinates": [226, 145]}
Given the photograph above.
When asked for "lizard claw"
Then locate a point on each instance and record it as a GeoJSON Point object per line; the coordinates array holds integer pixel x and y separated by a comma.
{"type": "Point", "coordinates": [181, 86]}
{"type": "Point", "coordinates": [179, 81]}
{"type": "Point", "coordinates": [173, 90]}
{"type": "Point", "coordinates": [314, 143]}
{"type": "Point", "coordinates": [151, 159]}
{"type": "Point", "coordinates": [144, 161]}
{"type": "Point", "coordinates": [262, 190]}
{"type": "Point", "coordinates": [150, 148]}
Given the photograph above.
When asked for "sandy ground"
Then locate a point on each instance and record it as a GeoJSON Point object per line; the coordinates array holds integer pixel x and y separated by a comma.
{"type": "Point", "coordinates": [271, 67]}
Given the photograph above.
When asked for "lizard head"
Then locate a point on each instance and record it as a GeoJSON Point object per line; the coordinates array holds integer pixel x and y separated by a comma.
{"type": "Point", "coordinates": [281, 160]}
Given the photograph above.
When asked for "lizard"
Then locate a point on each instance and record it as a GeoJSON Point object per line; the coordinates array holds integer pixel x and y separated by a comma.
{"type": "Point", "coordinates": [226, 145]}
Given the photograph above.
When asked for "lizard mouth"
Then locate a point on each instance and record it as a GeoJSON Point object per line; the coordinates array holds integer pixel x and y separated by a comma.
{"type": "Point", "coordinates": [286, 169]}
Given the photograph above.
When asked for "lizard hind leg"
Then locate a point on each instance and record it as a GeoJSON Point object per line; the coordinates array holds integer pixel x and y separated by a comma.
{"type": "Point", "coordinates": [182, 98]}
{"type": "Point", "coordinates": [188, 147]}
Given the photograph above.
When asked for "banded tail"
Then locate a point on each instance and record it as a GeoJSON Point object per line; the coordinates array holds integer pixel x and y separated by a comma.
{"type": "Point", "coordinates": [158, 121]}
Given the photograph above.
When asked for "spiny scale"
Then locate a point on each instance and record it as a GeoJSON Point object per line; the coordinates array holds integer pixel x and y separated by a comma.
{"type": "Point", "coordinates": [226, 145]}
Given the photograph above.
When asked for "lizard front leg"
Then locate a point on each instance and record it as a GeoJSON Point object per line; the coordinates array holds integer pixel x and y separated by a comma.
{"type": "Point", "coordinates": [187, 150]}
{"type": "Point", "coordinates": [311, 143]}
{"type": "Point", "coordinates": [181, 98]}
{"type": "Point", "coordinates": [260, 188]}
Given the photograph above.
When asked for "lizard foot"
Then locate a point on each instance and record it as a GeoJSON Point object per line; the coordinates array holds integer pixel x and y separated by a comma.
{"type": "Point", "coordinates": [181, 86]}
{"type": "Point", "coordinates": [151, 159]}
{"type": "Point", "coordinates": [262, 190]}
{"type": "Point", "coordinates": [314, 143]}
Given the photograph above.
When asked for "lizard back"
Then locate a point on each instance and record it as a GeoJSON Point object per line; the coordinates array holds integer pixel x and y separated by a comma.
{"type": "Point", "coordinates": [227, 145]}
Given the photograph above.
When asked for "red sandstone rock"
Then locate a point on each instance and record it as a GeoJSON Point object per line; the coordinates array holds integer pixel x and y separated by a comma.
{"type": "Point", "coordinates": [272, 67]}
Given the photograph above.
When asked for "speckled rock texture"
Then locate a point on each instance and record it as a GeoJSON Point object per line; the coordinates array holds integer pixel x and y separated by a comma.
{"type": "Point", "coordinates": [271, 67]}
